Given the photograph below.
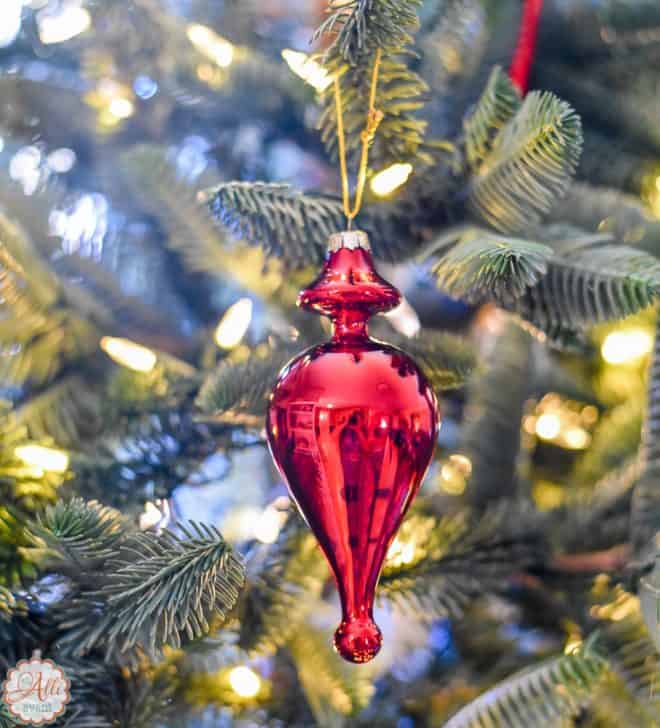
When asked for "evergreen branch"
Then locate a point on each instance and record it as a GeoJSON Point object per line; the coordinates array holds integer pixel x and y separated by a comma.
{"type": "Point", "coordinates": [7, 604]}
{"type": "Point", "coordinates": [164, 194]}
{"type": "Point", "coordinates": [16, 565]}
{"type": "Point", "coordinates": [282, 586]}
{"type": "Point", "coordinates": [446, 359]}
{"type": "Point", "coordinates": [99, 295]}
{"type": "Point", "coordinates": [68, 411]}
{"type": "Point", "coordinates": [538, 696]}
{"type": "Point", "coordinates": [609, 163]}
{"type": "Point", "coordinates": [531, 163]}
{"type": "Point", "coordinates": [25, 488]}
{"type": "Point", "coordinates": [594, 209]}
{"type": "Point", "coordinates": [465, 30]}
{"type": "Point", "coordinates": [613, 706]}
{"type": "Point", "coordinates": [21, 635]}
{"type": "Point", "coordinates": [463, 557]}
{"type": "Point", "coordinates": [145, 699]}
{"type": "Point", "coordinates": [497, 105]}
{"type": "Point", "coordinates": [144, 456]}
{"type": "Point", "coordinates": [590, 285]}
{"type": "Point", "coordinates": [622, 15]}
{"type": "Point", "coordinates": [39, 333]}
{"type": "Point", "coordinates": [26, 285]}
{"type": "Point", "coordinates": [613, 442]}
{"type": "Point", "coordinates": [6, 718]}
{"type": "Point", "coordinates": [88, 294]}
{"type": "Point", "coordinates": [39, 348]}
{"type": "Point", "coordinates": [621, 22]}
{"type": "Point", "coordinates": [80, 535]}
{"type": "Point", "coordinates": [361, 28]}
{"type": "Point", "coordinates": [237, 392]}
{"type": "Point", "coordinates": [550, 375]}
{"type": "Point", "coordinates": [191, 233]}
{"type": "Point", "coordinates": [401, 93]}
{"type": "Point", "coordinates": [105, 695]}
{"type": "Point", "coordinates": [157, 590]}
{"type": "Point", "coordinates": [598, 518]}
{"type": "Point", "coordinates": [623, 216]}
{"type": "Point", "coordinates": [493, 419]}
{"type": "Point", "coordinates": [555, 337]}
{"type": "Point", "coordinates": [283, 221]}
{"type": "Point", "coordinates": [333, 688]}
{"type": "Point", "coordinates": [483, 265]}
{"type": "Point", "coordinates": [634, 659]}
{"type": "Point", "coordinates": [631, 115]}
{"type": "Point", "coordinates": [645, 511]}
{"type": "Point", "coordinates": [94, 688]}
{"type": "Point", "coordinates": [295, 226]}
{"type": "Point", "coordinates": [82, 716]}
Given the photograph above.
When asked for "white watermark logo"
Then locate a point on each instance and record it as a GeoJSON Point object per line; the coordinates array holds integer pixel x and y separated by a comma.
{"type": "Point", "coordinates": [36, 691]}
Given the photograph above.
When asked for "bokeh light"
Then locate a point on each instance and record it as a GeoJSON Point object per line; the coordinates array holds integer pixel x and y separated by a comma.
{"type": "Point", "coordinates": [62, 22]}
{"type": "Point", "coordinates": [46, 458]}
{"type": "Point", "coordinates": [307, 68]}
{"type": "Point", "coordinates": [129, 354]}
{"type": "Point", "coordinates": [210, 44]}
{"type": "Point", "coordinates": [10, 21]}
{"type": "Point", "coordinates": [627, 346]}
{"type": "Point", "coordinates": [244, 681]}
{"type": "Point", "coordinates": [388, 180]}
{"type": "Point", "coordinates": [234, 324]}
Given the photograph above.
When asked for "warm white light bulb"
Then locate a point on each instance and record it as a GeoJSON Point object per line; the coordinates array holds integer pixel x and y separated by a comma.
{"type": "Point", "coordinates": [155, 515]}
{"type": "Point", "coordinates": [548, 426]}
{"type": "Point", "coordinates": [10, 21]}
{"type": "Point", "coordinates": [46, 458]}
{"type": "Point", "coordinates": [210, 44]}
{"type": "Point", "coordinates": [389, 179]}
{"type": "Point", "coordinates": [404, 318]}
{"type": "Point", "coordinates": [121, 108]}
{"type": "Point", "coordinates": [234, 324]}
{"type": "Point", "coordinates": [307, 68]}
{"type": "Point", "coordinates": [576, 438]}
{"type": "Point", "coordinates": [244, 681]}
{"type": "Point", "coordinates": [63, 24]}
{"type": "Point", "coordinates": [401, 552]}
{"type": "Point", "coordinates": [129, 354]}
{"type": "Point", "coordinates": [269, 524]}
{"type": "Point", "coordinates": [625, 347]}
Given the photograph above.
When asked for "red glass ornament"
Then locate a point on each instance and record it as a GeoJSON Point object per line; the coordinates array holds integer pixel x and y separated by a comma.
{"type": "Point", "coordinates": [352, 424]}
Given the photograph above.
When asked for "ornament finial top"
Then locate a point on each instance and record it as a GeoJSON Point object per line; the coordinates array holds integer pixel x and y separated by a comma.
{"type": "Point", "coordinates": [350, 239]}
{"type": "Point", "coordinates": [349, 283]}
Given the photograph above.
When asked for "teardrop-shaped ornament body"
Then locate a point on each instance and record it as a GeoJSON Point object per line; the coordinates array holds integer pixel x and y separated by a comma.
{"type": "Point", "coordinates": [352, 425]}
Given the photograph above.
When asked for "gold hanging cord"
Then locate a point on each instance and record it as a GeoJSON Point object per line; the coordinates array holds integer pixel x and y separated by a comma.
{"type": "Point", "coordinates": [374, 117]}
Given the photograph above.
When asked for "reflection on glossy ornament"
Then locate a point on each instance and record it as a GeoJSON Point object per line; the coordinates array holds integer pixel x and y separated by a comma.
{"type": "Point", "coordinates": [352, 424]}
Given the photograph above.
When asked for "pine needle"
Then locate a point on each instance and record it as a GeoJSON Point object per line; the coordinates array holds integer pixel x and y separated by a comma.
{"type": "Point", "coordinates": [483, 266]}
{"type": "Point", "coordinates": [498, 104]}
{"type": "Point", "coordinates": [531, 163]}
{"type": "Point", "coordinates": [359, 28]}
{"type": "Point", "coordinates": [538, 696]}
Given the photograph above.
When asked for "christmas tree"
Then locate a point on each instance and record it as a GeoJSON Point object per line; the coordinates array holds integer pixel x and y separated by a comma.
{"type": "Point", "coordinates": [170, 172]}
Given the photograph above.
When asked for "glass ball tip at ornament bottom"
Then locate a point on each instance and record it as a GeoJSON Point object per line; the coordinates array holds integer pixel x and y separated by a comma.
{"type": "Point", "coordinates": [352, 425]}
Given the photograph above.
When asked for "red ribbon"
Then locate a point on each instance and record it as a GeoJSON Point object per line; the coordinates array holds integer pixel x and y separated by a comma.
{"type": "Point", "coordinates": [521, 65]}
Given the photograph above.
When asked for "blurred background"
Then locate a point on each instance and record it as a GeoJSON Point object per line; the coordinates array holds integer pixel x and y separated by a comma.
{"type": "Point", "coordinates": [123, 294]}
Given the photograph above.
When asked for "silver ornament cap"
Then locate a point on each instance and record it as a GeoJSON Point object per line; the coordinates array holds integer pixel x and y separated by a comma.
{"type": "Point", "coordinates": [350, 239]}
